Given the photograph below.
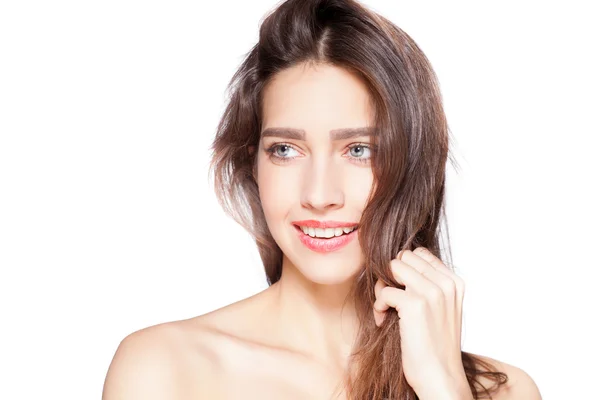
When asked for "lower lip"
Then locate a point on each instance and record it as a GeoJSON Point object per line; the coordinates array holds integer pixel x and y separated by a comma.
{"type": "Point", "coordinates": [325, 245]}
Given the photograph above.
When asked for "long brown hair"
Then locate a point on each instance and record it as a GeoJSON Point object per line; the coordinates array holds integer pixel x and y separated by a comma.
{"type": "Point", "coordinates": [406, 207]}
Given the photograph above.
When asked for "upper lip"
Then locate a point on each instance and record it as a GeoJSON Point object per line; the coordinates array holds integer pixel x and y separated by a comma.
{"type": "Point", "coordinates": [324, 224]}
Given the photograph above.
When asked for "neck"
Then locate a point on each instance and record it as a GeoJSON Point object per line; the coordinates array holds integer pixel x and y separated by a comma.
{"type": "Point", "coordinates": [317, 320]}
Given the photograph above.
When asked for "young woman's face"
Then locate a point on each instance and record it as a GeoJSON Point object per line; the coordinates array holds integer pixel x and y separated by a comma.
{"type": "Point", "coordinates": [316, 169]}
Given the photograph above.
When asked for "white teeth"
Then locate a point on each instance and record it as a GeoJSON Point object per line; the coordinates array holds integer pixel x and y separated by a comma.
{"type": "Point", "coordinates": [326, 232]}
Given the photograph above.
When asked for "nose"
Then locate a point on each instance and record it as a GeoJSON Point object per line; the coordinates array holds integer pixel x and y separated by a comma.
{"type": "Point", "coordinates": [322, 186]}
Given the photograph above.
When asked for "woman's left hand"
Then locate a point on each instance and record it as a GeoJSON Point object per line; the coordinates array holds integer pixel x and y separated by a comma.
{"type": "Point", "coordinates": [430, 318]}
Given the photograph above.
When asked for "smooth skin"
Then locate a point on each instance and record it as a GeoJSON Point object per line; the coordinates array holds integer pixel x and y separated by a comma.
{"type": "Point", "coordinates": [430, 319]}
{"type": "Point", "coordinates": [292, 340]}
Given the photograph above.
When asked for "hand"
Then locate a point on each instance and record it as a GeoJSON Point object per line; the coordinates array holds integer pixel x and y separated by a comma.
{"type": "Point", "coordinates": [430, 318]}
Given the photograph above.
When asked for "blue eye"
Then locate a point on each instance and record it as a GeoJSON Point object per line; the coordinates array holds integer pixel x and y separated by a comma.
{"type": "Point", "coordinates": [283, 156]}
{"type": "Point", "coordinates": [281, 146]}
{"type": "Point", "coordinates": [363, 148]}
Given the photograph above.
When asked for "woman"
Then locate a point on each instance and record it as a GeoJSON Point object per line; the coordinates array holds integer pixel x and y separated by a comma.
{"type": "Point", "coordinates": [332, 153]}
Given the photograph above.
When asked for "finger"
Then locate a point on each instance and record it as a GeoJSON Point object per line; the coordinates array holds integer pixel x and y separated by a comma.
{"type": "Point", "coordinates": [427, 265]}
{"type": "Point", "coordinates": [390, 297]}
{"type": "Point", "coordinates": [415, 261]}
{"type": "Point", "coordinates": [378, 286]}
{"type": "Point", "coordinates": [443, 281]}
{"type": "Point", "coordinates": [435, 262]}
{"type": "Point", "coordinates": [408, 276]}
{"type": "Point", "coordinates": [459, 285]}
{"type": "Point", "coordinates": [379, 315]}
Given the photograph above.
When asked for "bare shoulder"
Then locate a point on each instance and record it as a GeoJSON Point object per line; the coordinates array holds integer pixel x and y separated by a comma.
{"type": "Point", "coordinates": [167, 360]}
{"type": "Point", "coordinates": [519, 385]}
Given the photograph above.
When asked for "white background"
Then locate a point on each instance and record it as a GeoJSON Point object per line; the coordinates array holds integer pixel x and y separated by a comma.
{"type": "Point", "coordinates": [108, 223]}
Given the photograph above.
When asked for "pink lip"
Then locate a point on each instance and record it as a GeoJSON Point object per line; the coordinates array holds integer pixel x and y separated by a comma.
{"type": "Point", "coordinates": [325, 245]}
{"type": "Point", "coordinates": [324, 224]}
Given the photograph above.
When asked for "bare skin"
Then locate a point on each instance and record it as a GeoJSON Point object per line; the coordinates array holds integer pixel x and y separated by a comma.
{"type": "Point", "coordinates": [228, 354]}
{"type": "Point", "coordinates": [292, 340]}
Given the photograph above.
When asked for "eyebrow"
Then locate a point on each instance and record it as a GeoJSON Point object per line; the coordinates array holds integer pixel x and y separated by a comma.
{"type": "Point", "coordinates": [334, 134]}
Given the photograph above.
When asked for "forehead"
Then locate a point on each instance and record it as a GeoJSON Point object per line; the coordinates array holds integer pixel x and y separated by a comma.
{"type": "Point", "coordinates": [318, 99]}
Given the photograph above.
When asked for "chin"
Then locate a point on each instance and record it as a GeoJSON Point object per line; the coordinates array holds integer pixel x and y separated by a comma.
{"type": "Point", "coordinates": [326, 270]}
{"type": "Point", "coordinates": [329, 279]}
{"type": "Point", "coordinates": [323, 268]}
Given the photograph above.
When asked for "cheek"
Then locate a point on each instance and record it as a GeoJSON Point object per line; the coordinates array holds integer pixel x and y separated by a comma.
{"type": "Point", "coordinates": [357, 188]}
{"type": "Point", "coordinates": [276, 191]}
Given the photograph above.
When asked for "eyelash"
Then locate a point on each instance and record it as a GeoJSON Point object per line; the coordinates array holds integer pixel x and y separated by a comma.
{"type": "Point", "coordinates": [271, 152]}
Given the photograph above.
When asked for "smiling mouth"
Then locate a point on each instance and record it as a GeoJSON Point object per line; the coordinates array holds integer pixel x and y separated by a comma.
{"type": "Point", "coordinates": [307, 233]}
{"type": "Point", "coordinates": [323, 244]}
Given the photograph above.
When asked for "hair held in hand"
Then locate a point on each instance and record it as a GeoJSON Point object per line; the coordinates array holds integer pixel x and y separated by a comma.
{"type": "Point", "coordinates": [406, 206]}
